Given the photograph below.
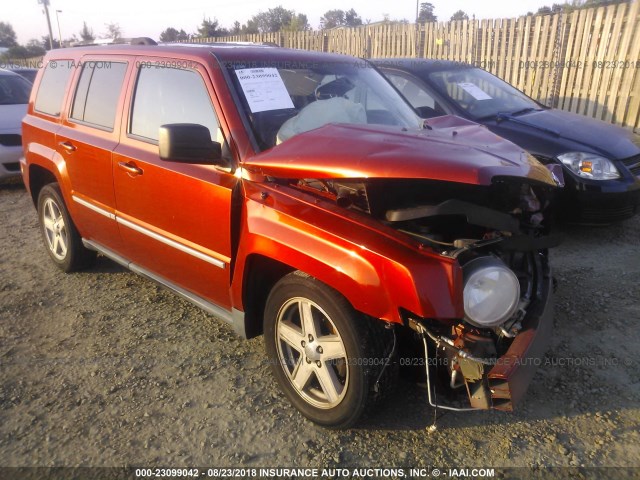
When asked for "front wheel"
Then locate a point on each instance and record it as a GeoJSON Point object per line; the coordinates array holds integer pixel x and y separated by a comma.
{"type": "Point", "coordinates": [328, 359]}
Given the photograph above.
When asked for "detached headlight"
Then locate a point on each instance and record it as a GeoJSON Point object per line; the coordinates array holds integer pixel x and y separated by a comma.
{"type": "Point", "coordinates": [491, 292]}
{"type": "Point", "coordinates": [589, 165]}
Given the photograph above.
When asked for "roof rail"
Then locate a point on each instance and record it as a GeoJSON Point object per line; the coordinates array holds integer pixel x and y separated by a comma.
{"type": "Point", "coordinates": [223, 43]}
{"type": "Point", "coordinates": [137, 41]}
{"type": "Point", "coordinates": [117, 41]}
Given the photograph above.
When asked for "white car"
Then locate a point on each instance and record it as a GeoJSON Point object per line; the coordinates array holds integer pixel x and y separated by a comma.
{"type": "Point", "coordinates": [14, 97]}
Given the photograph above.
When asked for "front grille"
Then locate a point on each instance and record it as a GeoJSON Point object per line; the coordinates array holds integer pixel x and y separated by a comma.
{"type": "Point", "coordinates": [12, 166]}
{"type": "Point", "coordinates": [11, 140]}
{"type": "Point", "coordinates": [633, 164]}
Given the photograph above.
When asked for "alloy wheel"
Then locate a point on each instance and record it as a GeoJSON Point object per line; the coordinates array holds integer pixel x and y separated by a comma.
{"type": "Point", "coordinates": [312, 353]}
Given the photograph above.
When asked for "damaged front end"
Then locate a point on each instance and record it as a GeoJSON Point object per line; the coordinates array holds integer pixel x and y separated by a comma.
{"type": "Point", "coordinates": [498, 235]}
{"type": "Point", "coordinates": [490, 218]}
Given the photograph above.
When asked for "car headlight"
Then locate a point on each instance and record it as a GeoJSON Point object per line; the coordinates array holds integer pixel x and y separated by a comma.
{"type": "Point", "coordinates": [589, 165]}
{"type": "Point", "coordinates": [491, 292]}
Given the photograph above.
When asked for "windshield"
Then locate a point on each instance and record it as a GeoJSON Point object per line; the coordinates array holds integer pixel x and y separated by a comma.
{"type": "Point", "coordinates": [283, 102]}
{"type": "Point", "coordinates": [479, 93]}
{"type": "Point", "coordinates": [14, 90]}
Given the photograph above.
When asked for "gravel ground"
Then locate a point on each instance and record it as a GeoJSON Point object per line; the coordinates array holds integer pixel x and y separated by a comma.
{"type": "Point", "coordinates": [104, 368]}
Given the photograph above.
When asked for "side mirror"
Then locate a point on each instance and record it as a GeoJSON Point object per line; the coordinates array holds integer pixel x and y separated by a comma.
{"type": "Point", "coordinates": [188, 142]}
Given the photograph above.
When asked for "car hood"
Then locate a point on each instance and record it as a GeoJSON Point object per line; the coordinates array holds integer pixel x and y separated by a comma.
{"type": "Point", "coordinates": [595, 135]}
{"type": "Point", "coordinates": [11, 117]}
{"type": "Point", "coordinates": [453, 149]}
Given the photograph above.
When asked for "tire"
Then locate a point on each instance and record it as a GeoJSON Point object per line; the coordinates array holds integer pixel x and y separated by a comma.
{"type": "Point", "coordinates": [60, 235]}
{"type": "Point", "coordinates": [326, 357]}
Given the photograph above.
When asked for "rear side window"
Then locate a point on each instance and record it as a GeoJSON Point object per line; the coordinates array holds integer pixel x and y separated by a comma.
{"type": "Point", "coordinates": [52, 87]}
{"type": "Point", "coordinates": [97, 94]}
{"type": "Point", "coordinates": [170, 95]}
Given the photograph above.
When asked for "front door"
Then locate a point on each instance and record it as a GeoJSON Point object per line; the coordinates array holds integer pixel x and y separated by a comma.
{"type": "Point", "coordinates": [174, 218]}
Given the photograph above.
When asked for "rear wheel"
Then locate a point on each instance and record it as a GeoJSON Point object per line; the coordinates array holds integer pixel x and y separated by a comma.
{"type": "Point", "coordinates": [326, 357]}
{"type": "Point", "coordinates": [59, 233]}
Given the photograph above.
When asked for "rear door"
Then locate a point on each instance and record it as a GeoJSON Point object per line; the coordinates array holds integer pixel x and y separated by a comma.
{"type": "Point", "coordinates": [174, 217]}
{"type": "Point", "coordinates": [89, 134]}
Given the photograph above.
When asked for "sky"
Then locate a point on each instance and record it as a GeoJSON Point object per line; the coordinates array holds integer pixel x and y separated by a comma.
{"type": "Point", "coordinates": [146, 18]}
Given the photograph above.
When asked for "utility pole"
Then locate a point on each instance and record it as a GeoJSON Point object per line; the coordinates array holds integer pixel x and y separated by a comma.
{"type": "Point", "coordinates": [45, 4]}
{"type": "Point", "coordinates": [59, 31]}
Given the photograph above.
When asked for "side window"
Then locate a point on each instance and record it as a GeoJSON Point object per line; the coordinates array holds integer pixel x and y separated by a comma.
{"type": "Point", "coordinates": [414, 93]}
{"type": "Point", "coordinates": [52, 87]}
{"type": "Point", "coordinates": [97, 94]}
{"type": "Point", "coordinates": [170, 95]}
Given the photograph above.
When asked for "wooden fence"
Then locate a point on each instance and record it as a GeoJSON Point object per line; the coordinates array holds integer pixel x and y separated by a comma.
{"type": "Point", "coordinates": [586, 61]}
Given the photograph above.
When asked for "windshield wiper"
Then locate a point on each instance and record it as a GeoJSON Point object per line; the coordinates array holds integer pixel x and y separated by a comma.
{"type": "Point", "coordinates": [518, 112]}
{"type": "Point", "coordinates": [511, 117]}
{"type": "Point", "coordinates": [507, 115]}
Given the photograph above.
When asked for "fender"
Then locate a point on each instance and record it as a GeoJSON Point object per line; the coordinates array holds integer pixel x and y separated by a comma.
{"type": "Point", "coordinates": [378, 274]}
{"type": "Point", "coordinates": [35, 142]}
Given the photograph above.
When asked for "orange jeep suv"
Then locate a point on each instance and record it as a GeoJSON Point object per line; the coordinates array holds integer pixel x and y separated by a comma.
{"type": "Point", "coordinates": [296, 195]}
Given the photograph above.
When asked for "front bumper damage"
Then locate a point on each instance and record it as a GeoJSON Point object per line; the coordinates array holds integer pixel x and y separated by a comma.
{"type": "Point", "coordinates": [493, 383]}
{"type": "Point", "coordinates": [509, 379]}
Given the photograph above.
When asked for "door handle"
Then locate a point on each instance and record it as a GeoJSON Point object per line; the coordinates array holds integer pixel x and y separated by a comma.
{"type": "Point", "coordinates": [129, 168]}
{"type": "Point", "coordinates": [68, 146]}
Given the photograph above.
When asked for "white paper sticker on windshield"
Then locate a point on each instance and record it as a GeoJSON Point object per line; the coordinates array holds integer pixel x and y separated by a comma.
{"type": "Point", "coordinates": [264, 89]}
{"type": "Point", "coordinates": [474, 90]}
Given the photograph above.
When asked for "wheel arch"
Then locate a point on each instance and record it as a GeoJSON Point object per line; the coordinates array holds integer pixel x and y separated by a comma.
{"type": "Point", "coordinates": [261, 273]}
{"type": "Point", "coordinates": [39, 176]}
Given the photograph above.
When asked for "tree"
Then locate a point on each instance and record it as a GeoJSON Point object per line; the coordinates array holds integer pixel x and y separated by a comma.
{"type": "Point", "coordinates": [250, 27]}
{"type": "Point", "coordinates": [340, 18]}
{"type": "Point", "coordinates": [45, 43]}
{"type": "Point", "coordinates": [211, 28]}
{"type": "Point", "coordinates": [7, 35]}
{"type": "Point", "coordinates": [31, 50]}
{"type": "Point", "coordinates": [352, 19]}
{"type": "Point", "coordinates": [386, 18]}
{"type": "Point", "coordinates": [572, 5]}
{"type": "Point", "coordinates": [332, 19]}
{"type": "Point", "coordinates": [298, 23]}
{"type": "Point", "coordinates": [426, 13]}
{"type": "Point", "coordinates": [86, 34]}
{"type": "Point", "coordinates": [459, 15]}
{"type": "Point", "coordinates": [238, 28]}
{"type": "Point", "coordinates": [15, 52]}
{"type": "Point", "coordinates": [172, 35]}
{"type": "Point", "coordinates": [113, 31]}
{"type": "Point", "coordinates": [277, 19]}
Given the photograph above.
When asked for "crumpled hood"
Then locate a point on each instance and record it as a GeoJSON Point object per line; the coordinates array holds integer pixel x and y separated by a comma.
{"type": "Point", "coordinates": [597, 136]}
{"type": "Point", "coordinates": [454, 150]}
{"type": "Point", "coordinates": [11, 117]}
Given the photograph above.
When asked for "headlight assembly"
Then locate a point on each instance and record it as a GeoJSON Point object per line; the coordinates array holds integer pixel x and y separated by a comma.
{"type": "Point", "coordinates": [491, 292]}
{"type": "Point", "coordinates": [589, 165]}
